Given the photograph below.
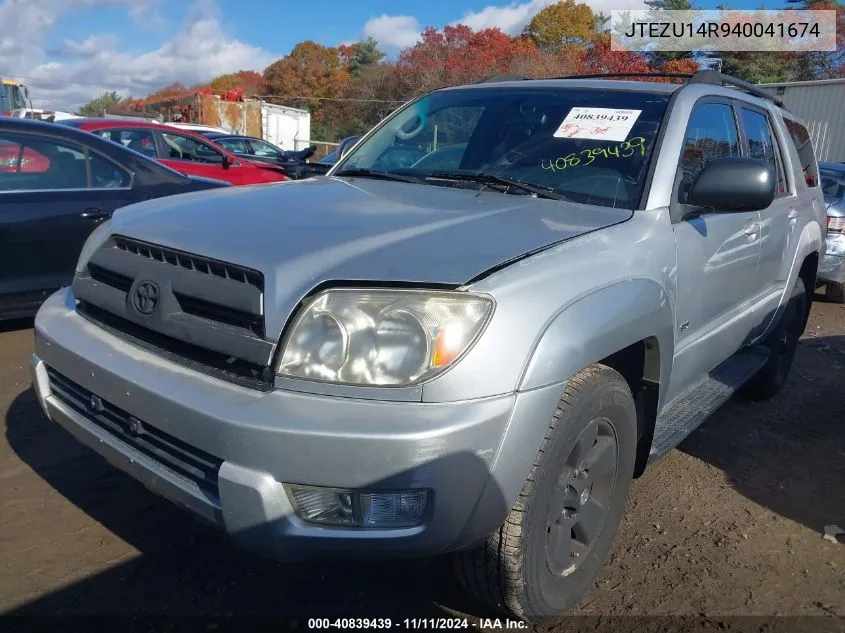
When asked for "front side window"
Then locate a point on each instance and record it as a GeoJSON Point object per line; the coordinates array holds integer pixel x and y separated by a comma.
{"type": "Point", "coordinates": [711, 134]}
{"type": "Point", "coordinates": [586, 145]}
{"type": "Point", "coordinates": [761, 142]}
{"type": "Point", "coordinates": [187, 148]}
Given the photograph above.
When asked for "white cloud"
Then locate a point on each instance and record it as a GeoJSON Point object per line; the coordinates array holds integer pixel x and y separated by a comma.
{"type": "Point", "coordinates": [199, 51]}
{"type": "Point", "coordinates": [398, 31]}
{"type": "Point", "coordinates": [90, 47]}
{"type": "Point", "coordinates": [513, 17]}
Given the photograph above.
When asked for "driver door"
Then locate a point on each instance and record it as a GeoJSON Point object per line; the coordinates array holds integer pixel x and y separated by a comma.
{"type": "Point", "coordinates": [718, 255]}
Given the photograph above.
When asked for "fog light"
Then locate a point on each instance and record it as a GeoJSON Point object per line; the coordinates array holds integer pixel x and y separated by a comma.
{"type": "Point", "coordinates": [368, 509]}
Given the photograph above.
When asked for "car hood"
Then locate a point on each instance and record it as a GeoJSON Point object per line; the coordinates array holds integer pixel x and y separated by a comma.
{"type": "Point", "coordinates": [302, 233]}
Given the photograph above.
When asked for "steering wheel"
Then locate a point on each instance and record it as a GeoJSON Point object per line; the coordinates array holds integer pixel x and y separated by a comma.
{"type": "Point", "coordinates": [400, 133]}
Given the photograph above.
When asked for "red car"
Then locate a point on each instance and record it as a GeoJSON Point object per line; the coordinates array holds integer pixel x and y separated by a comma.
{"type": "Point", "coordinates": [181, 150]}
{"type": "Point", "coordinates": [12, 160]}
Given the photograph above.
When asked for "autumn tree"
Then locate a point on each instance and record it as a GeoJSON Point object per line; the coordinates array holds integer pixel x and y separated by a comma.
{"type": "Point", "coordinates": [360, 54]}
{"type": "Point", "coordinates": [251, 82]}
{"type": "Point", "coordinates": [97, 106]}
{"type": "Point", "coordinates": [309, 77]}
{"type": "Point", "coordinates": [562, 25]}
{"type": "Point", "coordinates": [600, 58]}
{"type": "Point", "coordinates": [457, 54]}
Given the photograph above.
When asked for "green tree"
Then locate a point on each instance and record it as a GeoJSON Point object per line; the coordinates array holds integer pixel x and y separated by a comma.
{"type": "Point", "coordinates": [361, 54]}
{"type": "Point", "coordinates": [562, 25]}
{"type": "Point", "coordinates": [658, 58]}
{"type": "Point", "coordinates": [97, 106]}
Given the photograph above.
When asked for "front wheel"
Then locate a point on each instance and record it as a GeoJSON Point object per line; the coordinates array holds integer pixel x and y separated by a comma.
{"type": "Point", "coordinates": [835, 293]}
{"type": "Point", "coordinates": [559, 533]}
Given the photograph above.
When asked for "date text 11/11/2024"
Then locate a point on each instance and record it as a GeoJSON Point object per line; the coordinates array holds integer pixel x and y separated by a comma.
{"type": "Point", "coordinates": [414, 624]}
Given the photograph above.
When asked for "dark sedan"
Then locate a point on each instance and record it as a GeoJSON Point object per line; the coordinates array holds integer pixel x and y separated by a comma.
{"type": "Point", "coordinates": [57, 184]}
{"type": "Point", "coordinates": [258, 150]}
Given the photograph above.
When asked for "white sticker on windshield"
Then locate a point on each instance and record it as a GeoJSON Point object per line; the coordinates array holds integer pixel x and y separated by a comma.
{"type": "Point", "coordinates": [607, 124]}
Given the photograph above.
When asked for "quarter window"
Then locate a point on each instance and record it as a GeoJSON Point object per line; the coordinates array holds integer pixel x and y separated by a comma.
{"type": "Point", "coordinates": [711, 134]}
{"type": "Point", "coordinates": [761, 142]}
{"type": "Point", "coordinates": [804, 146]}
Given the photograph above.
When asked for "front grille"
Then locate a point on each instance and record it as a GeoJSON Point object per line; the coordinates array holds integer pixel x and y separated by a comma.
{"type": "Point", "coordinates": [209, 314]}
{"type": "Point", "coordinates": [183, 460]}
{"type": "Point", "coordinates": [190, 262]}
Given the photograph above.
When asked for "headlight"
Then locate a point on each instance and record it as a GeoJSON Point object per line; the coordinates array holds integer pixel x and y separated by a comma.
{"type": "Point", "coordinates": [381, 337]}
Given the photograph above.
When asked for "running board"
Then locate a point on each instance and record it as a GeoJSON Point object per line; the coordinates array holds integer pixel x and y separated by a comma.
{"type": "Point", "coordinates": [686, 414]}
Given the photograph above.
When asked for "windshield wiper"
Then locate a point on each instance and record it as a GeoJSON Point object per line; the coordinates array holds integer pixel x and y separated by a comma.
{"type": "Point", "coordinates": [492, 179]}
{"type": "Point", "coordinates": [383, 175]}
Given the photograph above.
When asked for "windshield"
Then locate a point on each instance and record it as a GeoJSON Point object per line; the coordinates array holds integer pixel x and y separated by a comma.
{"type": "Point", "coordinates": [589, 146]}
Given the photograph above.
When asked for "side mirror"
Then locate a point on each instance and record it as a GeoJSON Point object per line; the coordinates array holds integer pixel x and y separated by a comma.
{"type": "Point", "coordinates": [346, 144]}
{"type": "Point", "coordinates": [732, 183]}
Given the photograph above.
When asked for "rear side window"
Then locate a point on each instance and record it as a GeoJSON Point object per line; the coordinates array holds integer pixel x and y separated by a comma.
{"type": "Point", "coordinates": [761, 142]}
{"type": "Point", "coordinates": [711, 134]}
{"type": "Point", "coordinates": [139, 140]}
{"type": "Point", "coordinates": [804, 146]}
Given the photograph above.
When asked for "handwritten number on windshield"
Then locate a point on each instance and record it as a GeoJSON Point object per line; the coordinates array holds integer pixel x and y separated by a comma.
{"type": "Point", "coordinates": [626, 149]}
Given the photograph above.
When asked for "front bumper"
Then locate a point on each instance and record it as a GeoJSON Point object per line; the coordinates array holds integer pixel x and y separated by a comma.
{"type": "Point", "coordinates": [832, 269]}
{"type": "Point", "coordinates": [253, 442]}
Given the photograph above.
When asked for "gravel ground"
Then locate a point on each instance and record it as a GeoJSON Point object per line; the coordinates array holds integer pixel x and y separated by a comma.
{"type": "Point", "coordinates": [731, 524]}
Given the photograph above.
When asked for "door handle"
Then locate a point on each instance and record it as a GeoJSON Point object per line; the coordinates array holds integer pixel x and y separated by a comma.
{"type": "Point", "coordinates": [95, 214]}
{"type": "Point", "coordinates": [793, 214]}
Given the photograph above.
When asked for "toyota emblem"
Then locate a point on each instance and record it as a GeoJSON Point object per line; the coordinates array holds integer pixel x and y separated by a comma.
{"type": "Point", "coordinates": [146, 297]}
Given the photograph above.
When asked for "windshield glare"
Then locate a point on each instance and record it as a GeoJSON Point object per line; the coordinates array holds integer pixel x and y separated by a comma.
{"type": "Point", "coordinates": [598, 156]}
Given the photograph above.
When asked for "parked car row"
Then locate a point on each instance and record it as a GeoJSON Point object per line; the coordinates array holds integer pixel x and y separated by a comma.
{"type": "Point", "coordinates": [60, 180]}
{"type": "Point", "coordinates": [57, 184]}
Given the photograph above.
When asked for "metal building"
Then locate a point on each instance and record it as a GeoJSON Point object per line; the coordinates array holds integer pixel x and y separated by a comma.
{"type": "Point", "coordinates": [822, 105]}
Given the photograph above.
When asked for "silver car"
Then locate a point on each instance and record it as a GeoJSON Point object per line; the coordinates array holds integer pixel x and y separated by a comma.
{"type": "Point", "coordinates": [493, 313]}
{"type": "Point", "coordinates": [832, 267]}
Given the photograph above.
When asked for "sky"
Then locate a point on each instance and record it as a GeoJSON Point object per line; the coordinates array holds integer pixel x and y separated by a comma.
{"type": "Point", "coordinates": [70, 51]}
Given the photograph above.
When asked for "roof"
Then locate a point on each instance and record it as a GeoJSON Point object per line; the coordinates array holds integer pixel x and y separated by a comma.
{"type": "Point", "coordinates": [595, 84]}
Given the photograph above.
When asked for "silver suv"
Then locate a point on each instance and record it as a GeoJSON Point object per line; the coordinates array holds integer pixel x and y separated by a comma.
{"type": "Point", "coordinates": [468, 338]}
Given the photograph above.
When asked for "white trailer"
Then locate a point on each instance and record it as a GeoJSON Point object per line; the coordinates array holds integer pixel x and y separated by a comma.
{"type": "Point", "coordinates": [288, 128]}
{"type": "Point", "coordinates": [822, 105]}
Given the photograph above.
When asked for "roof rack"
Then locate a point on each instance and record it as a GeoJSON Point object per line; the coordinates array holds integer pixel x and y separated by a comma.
{"type": "Point", "coordinates": [502, 77]}
{"type": "Point", "coordinates": [710, 77]}
{"type": "Point", "coordinates": [715, 78]}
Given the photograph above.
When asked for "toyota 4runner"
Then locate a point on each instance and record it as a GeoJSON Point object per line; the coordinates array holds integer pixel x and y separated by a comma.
{"type": "Point", "coordinates": [468, 338]}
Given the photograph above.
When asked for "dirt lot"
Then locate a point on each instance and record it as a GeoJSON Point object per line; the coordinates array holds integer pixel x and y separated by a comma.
{"type": "Point", "coordinates": [729, 525]}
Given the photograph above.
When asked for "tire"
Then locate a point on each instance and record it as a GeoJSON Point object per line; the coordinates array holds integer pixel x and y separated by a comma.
{"type": "Point", "coordinates": [518, 570]}
{"type": "Point", "coordinates": [782, 343]}
{"type": "Point", "coordinates": [835, 293]}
